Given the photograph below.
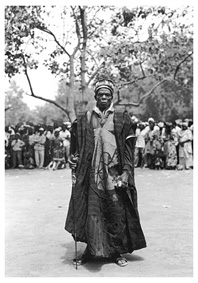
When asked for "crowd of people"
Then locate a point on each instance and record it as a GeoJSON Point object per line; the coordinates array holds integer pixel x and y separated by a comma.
{"type": "Point", "coordinates": [164, 145]}
{"type": "Point", "coordinates": [37, 146]}
{"type": "Point", "coordinates": [159, 145]}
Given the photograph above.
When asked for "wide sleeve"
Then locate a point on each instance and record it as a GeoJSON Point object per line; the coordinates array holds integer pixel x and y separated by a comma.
{"type": "Point", "coordinates": [129, 148]}
{"type": "Point", "coordinates": [74, 148]}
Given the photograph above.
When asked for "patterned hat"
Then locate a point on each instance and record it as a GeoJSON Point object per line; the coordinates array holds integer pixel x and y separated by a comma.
{"type": "Point", "coordinates": [104, 83]}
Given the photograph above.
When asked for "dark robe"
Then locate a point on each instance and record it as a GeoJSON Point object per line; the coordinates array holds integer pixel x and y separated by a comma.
{"type": "Point", "coordinates": [105, 225]}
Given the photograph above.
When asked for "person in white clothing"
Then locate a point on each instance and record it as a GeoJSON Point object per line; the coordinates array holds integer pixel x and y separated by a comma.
{"type": "Point", "coordinates": [39, 147]}
{"type": "Point", "coordinates": [185, 147]}
{"type": "Point", "coordinates": [65, 135]}
{"type": "Point", "coordinates": [140, 146]}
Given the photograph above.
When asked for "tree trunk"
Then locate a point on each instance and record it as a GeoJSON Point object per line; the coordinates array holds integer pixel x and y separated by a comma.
{"type": "Point", "coordinates": [71, 110]}
{"type": "Point", "coordinates": [83, 17]}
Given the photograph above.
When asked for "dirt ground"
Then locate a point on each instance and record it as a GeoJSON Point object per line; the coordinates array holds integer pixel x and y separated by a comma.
{"type": "Point", "coordinates": [36, 244]}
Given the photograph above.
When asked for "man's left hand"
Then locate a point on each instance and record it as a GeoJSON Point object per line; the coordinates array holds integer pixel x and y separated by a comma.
{"type": "Point", "coordinates": [123, 180]}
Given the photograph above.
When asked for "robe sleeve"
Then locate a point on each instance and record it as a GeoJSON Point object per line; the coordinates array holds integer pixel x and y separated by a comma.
{"type": "Point", "coordinates": [129, 153]}
{"type": "Point", "coordinates": [74, 149]}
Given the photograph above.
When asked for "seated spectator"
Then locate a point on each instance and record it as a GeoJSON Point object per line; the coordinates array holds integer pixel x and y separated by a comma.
{"type": "Point", "coordinates": [28, 161]}
{"type": "Point", "coordinates": [57, 151]}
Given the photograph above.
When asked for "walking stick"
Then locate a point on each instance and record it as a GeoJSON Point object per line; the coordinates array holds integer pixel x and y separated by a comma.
{"type": "Point", "coordinates": [74, 212]}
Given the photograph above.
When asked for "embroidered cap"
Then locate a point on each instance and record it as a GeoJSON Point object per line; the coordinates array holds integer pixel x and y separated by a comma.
{"type": "Point", "coordinates": [104, 83]}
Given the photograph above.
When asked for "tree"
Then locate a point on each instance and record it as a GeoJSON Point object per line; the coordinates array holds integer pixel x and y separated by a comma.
{"type": "Point", "coordinates": [92, 45]}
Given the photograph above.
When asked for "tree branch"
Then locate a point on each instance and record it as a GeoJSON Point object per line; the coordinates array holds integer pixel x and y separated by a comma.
{"type": "Point", "coordinates": [178, 66]}
{"type": "Point", "coordinates": [94, 73]}
{"type": "Point", "coordinates": [55, 39]}
{"type": "Point", "coordinates": [37, 96]}
{"type": "Point", "coordinates": [7, 108]}
{"type": "Point", "coordinates": [136, 104]}
{"type": "Point", "coordinates": [134, 81]}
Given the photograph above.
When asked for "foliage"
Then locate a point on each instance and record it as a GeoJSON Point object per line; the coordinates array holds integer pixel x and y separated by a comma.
{"type": "Point", "coordinates": [18, 111]}
{"type": "Point", "coordinates": [155, 42]}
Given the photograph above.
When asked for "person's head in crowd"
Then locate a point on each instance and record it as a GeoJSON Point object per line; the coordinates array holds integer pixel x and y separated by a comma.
{"type": "Point", "coordinates": [186, 120]}
{"type": "Point", "coordinates": [17, 135]}
{"type": "Point", "coordinates": [190, 122]}
{"type": "Point", "coordinates": [179, 122]}
{"type": "Point", "coordinates": [57, 132]}
{"type": "Point", "coordinates": [184, 125]}
{"type": "Point", "coordinates": [173, 124]}
{"type": "Point", "coordinates": [168, 127]}
{"type": "Point", "coordinates": [160, 124]}
{"type": "Point", "coordinates": [30, 131]}
{"type": "Point", "coordinates": [41, 131]}
{"type": "Point", "coordinates": [12, 130]}
{"type": "Point", "coordinates": [151, 122]}
{"type": "Point", "coordinates": [63, 127]}
{"type": "Point", "coordinates": [50, 128]}
{"type": "Point", "coordinates": [56, 125]}
{"type": "Point", "coordinates": [134, 121]}
{"type": "Point", "coordinates": [9, 130]}
{"type": "Point", "coordinates": [68, 125]}
{"type": "Point", "coordinates": [6, 129]}
{"type": "Point", "coordinates": [141, 125]}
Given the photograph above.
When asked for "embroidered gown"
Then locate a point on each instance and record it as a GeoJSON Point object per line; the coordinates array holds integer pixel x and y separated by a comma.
{"type": "Point", "coordinates": [109, 215]}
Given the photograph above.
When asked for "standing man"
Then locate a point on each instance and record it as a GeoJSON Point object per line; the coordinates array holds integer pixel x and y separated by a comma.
{"type": "Point", "coordinates": [103, 207]}
{"type": "Point", "coordinates": [151, 132]}
{"type": "Point", "coordinates": [140, 146]}
{"type": "Point", "coordinates": [17, 146]}
{"type": "Point", "coordinates": [39, 147]}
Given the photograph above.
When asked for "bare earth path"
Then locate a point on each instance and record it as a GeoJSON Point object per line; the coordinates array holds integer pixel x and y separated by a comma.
{"type": "Point", "coordinates": [36, 244]}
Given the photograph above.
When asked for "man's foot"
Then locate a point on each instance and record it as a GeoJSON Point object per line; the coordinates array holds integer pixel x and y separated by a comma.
{"type": "Point", "coordinates": [79, 261]}
{"type": "Point", "coordinates": [83, 258]}
{"type": "Point", "coordinates": [121, 261]}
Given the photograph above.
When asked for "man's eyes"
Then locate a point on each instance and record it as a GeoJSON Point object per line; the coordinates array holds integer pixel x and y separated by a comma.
{"type": "Point", "coordinates": [102, 94]}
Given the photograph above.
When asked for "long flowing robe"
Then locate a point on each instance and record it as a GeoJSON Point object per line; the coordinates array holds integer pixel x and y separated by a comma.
{"type": "Point", "coordinates": [104, 217]}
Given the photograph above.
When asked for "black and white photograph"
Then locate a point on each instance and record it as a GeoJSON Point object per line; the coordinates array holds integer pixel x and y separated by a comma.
{"type": "Point", "coordinates": [99, 160]}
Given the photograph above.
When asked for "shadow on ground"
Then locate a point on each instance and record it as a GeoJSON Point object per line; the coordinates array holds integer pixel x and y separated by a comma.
{"type": "Point", "coordinates": [97, 263]}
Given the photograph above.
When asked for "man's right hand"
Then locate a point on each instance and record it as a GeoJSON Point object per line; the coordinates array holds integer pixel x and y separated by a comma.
{"type": "Point", "coordinates": [73, 160]}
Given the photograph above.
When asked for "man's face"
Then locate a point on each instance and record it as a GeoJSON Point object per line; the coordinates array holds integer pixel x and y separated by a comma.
{"type": "Point", "coordinates": [151, 125]}
{"type": "Point", "coordinates": [56, 134]}
{"type": "Point", "coordinates": [103, 98]}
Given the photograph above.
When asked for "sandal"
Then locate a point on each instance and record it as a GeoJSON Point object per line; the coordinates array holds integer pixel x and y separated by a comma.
{"type": "Point", "coordinates": [79, 261]}
{"type": "Point", "coordinates": [121, 261]}
{"type": "Point", "coordinates": [82, 259]}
